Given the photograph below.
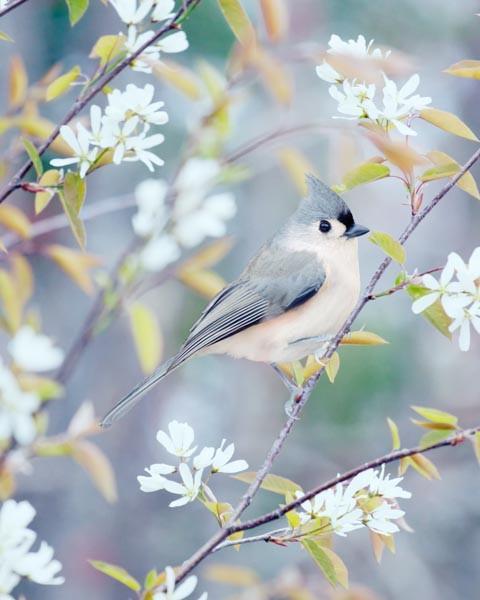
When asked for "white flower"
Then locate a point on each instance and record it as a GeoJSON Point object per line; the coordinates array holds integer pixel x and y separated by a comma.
{"type": "Point", "coordinates": [96, 126]}
{"type": "Point", "coordinates": [40, 566]}
{"type": "Point", "coordinates": [16, 558]}
{"type": "Point", "coordinates": [158, 253]}
{"type": "Point", "coordinates": [136, 101]}
{"type": "Point", "coordinates": [468, 274]}
{"type": "Point", "coordinates": [33, 351]}
{"type": "Point", "coordinates": [197, 173]}
{"type": "Point", "coordinates": [119, 136]}
{"type": "Point", "coordinates": [326, 72]}
{"type": "Point", "coordinates": [221, 461]}
{"type": "Point", "coordinates": [188, 489]}
{"type": "Point", "coordinates": [397, 104]}
{"type": "Point", "coordinates": [207, 219]}
{"type": "Point", "coordinates": [163, 10]}
{"type": "Point", "coordinates": [204, 458]}
{"type": "Point", "coordinates": [80, 144]}
{"type": "Point", "coordinates": [463, 320]}
{"type": "Point", "coordinates": [355, 100]}
{"type": "Point", "coordinates": [139, 147]}
{"type": "Point", "coordinates": [381, 485]}
{"type": "Point", "coordinates": [179, 442]}
{"type": "Point", "coordinates": [152, 213]}
{"type": "Point", "coordinates": [438, 288]}
{"type": "Point", "coordinates": [379, 520]}
{"type": "Point", "coordinates": [16, 409]}
{"type": "Point", "coordinates": [176, 42]}
{"type": "Point", "coordinates": [355, 48]}
{"type": "Point", "coordinates": [336, 504]}
{"type": "Point", "coordinates": [182, 591]}
{"type": "Point", "coordinates": [3, 4]}
{"type": "Point", "coordinates": [134, 42]}
{"type": "Point", "coordinates": [156, 480]}
{"type": "Point", "coordinates": [131, 13]}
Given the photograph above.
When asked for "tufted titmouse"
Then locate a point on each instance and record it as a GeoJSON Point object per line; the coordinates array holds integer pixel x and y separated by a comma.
{"type": "Point", "coordinates": [291, 299]}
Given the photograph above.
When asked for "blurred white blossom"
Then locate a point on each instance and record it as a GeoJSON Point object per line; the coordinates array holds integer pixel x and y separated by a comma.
{"type": "Point", "coordinates": [134, 42]}
{"type": "Point", "coordinates": [188, 489]}
{"type": "Point", "coordinates": [151, 215]}
{"type": "Point", "coordinates": [84, 156]}
{"type": "Point", "coordinates": [355, 100]}
{"type": "Point", "coordinates": [3, 4]}
{"type": "Point", "coordinates": [355, 48]}
{"type": "Point", "coordinates": [32, 351]}
{"type": "Point", "coordinates": [163, 10]}
{"type": "Point", "coordinates": [159, 252]}
{"type": "Point", "coordinates": [136, 101]}
{"type": "Point", "coordinates": [204, 458]}
{"type": "Point", "coordinates": [460, 298]}
{"type": "Point", "coordinates": [380, 519]}
{"type": "Point", "coordinates": [179, 442]}
{"type": "Point", "coordinates": [16, 558]}
{"type": "Point", "coordinates": [173, 43]}
{"type": "Point", "coordinates": [184, 590]}
{"type": "Point", "coordinates": [326, 72]}
{"type": "Point", "coordinates": [221, 460]}
{"type": "Point", "coordinates": [16, 409]}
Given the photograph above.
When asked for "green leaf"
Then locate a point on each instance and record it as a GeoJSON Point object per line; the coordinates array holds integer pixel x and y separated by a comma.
{"type": "Point", "coordinates": [271, 483]}
{"type": "Point", "coordinates": [33, 156]}
{"type": "Point", "coordinates": [435, 415]}
{"type": "Point", "coordinates": [433, 437]}
{"type": "Point", "coordinates": [435, 314]}
{"type": "Point", "coordinates": [365, 173]}
{"type": "Point", "coordinates": [332, 367]}
{"type": "Point", "coordinates": [62, 84]}
{"type": "Point", "coordinates": [330, 563]}
{"type": "Point", "coordinates": [440, 172]}
{"type": "Point", "coordinates": [146, 335]}
{"type": "Point", "coordinates": [150, 579]}
{"type": "Point", "coordinates": [118, 573]}
{"type": "Point", "coordinates": [395, 434]}
{"type": "Point", "coordinates": [389, 245]}
{"type": "Point", "coordinates": [76, 10]}
{"type": "Point", "coordinates": [476, 445]}
{"type": "Point", "coordinates": [42, 199]}
{"type": "Point", "coordinates": [4, 37]}
{"type": "Point", "coordinates": [448, 122]}
{"type": "Point", "coordinates": [238, 20]}
{"type": "Point", "coordinates": [465, 68]}
{"type": "Point", "coordinates": [424, 466]}
{"type": "Point", "coordinates": [466, 182]}
{"type": "Point", "coordinates": [108, 47]}
{"type": "Point", "coordinates": [72, 199]}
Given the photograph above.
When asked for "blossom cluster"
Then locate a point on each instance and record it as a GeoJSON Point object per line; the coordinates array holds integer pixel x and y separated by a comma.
{"type": "Point", "coordinates": [357, 100]}
{"type": "Point", "coordinates": [458, 290]}
{"type": "Point", "coordinates": [31, 352]}
{"type": "Point", "coordinates": [16, 558]}
{"type": "Point", "coordinates": [369, 500]}
{"type": "Point", "coordinates": [178, 593]}
{"type": "Point", "coordinates": [133, 13]}
{"type": "Point", "coordinates": [123, 129]}
{"type": "Point", "coordinates": [194, 215]}
{"type": "Point", "coordinates": [179, 443]}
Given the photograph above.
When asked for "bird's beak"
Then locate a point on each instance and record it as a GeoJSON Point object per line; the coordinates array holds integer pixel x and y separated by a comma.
{"type": "Point", "coordinates": [356, 230]}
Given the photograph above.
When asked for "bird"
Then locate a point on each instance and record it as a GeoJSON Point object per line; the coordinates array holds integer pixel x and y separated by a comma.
{"type": "Point", "coordinates": [290, 300]}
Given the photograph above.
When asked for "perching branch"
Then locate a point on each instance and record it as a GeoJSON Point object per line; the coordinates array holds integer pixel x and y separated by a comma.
{"type": "Point", "coordinates": [304, 394]}
{"type": "Point", "coordinates": [11, 7]}
{"type": "Point", "coordinates": [84, 98]}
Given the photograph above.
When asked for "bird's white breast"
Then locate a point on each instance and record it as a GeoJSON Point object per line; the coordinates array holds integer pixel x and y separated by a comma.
{"type": "Point", "coordinates": [277, 340]}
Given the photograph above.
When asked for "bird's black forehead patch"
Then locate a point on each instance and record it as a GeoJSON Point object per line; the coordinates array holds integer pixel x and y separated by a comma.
{"type": "Point", "coordinates": [346, 218]}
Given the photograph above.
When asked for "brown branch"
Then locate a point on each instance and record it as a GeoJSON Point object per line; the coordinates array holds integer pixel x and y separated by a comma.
{"type": "Point", "coordinates": [403, 284]}
{"type": "Point", "coordinates": [85, 98]}
{"type": "Point", "coordinates": [11, 7]}
{"type": "Point", "coordinates": [304, 394]}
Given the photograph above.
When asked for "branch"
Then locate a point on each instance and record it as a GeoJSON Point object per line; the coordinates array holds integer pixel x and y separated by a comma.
{"type": "Point", "coordinates": [84, 99]}
{"type": "Point", "coordinates": [454, 440]}
{"type": "Point", "coordinates": [303, 396]}
{"type": "Point", "coordinates": [404, 284]}
{"type": "Point", "coordinates": [274, 536]}
{"type": "Point", "coordinates": [12, 6]}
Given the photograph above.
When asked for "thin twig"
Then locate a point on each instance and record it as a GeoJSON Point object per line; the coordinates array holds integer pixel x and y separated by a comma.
{"type": "Point", "coordinates": [403, 284]}
{"type": "Point", "coordinates": [11, 7]}
{"type": "Point", "coordinates": [271, 536]}
{"type": "Point", "coordinates": [85, 98]}
{"type": "Point", "coordinates": [304, 395]}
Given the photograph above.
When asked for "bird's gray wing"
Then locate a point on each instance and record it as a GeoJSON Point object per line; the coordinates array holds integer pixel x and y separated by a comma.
{"type": "Point", "coordinates": [257, 296]}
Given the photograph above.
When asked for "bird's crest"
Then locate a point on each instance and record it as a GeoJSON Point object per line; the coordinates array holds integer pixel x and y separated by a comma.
{"type": "Point", "coordinates": [322, 201]}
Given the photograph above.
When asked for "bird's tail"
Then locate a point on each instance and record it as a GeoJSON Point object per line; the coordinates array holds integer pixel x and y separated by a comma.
{"type": "Point", "coordinates": [131, 399]}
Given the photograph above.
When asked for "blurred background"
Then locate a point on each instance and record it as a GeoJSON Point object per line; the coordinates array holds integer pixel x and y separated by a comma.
{"type": "Point", "coordinates": [345, 423]}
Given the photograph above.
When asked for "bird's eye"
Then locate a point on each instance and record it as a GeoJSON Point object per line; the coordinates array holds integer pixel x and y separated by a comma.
{"type": "Point", "coordinates": [324, 226]}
